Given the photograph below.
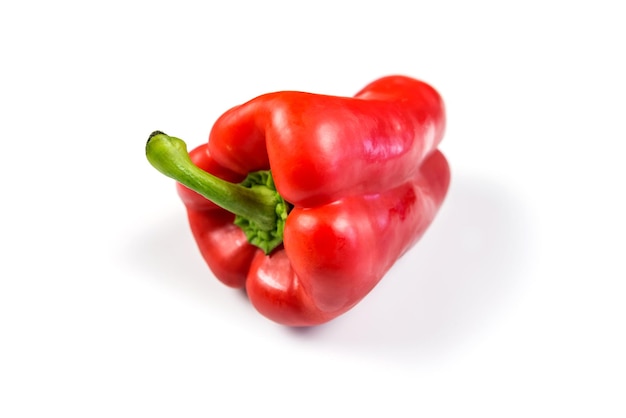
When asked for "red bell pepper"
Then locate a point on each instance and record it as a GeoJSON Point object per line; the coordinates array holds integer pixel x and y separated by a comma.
{"type": "Point", "coordinates": [307, 200]}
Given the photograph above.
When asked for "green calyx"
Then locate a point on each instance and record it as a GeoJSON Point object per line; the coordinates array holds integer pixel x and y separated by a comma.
{"type": "Point", "coordinates": [259, 209]}
{"type": "Point", "coordinates": [266, 240]}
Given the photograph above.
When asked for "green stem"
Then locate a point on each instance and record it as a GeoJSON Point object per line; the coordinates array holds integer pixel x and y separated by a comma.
{"type": "Point", "coordinates": [259, 205]}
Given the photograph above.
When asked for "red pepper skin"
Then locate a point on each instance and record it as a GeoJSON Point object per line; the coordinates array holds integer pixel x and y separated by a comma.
{"type": "Point", "coordinates": [363, 175]}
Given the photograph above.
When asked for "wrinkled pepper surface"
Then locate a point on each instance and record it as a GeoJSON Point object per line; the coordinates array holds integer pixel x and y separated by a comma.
{"type": "Point", "coordinates": [307, 200]}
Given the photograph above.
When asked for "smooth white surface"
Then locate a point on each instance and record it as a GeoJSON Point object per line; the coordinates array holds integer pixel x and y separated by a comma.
{"type": "Point", "coordinates": [512, 304]}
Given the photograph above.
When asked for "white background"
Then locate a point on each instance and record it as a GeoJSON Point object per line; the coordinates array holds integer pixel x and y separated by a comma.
{"type": "Point", "coordinates": [512, 305]}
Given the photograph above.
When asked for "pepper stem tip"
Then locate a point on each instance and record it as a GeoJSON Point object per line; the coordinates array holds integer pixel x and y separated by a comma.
{"type": "Point", "coordinates": [155, 133]}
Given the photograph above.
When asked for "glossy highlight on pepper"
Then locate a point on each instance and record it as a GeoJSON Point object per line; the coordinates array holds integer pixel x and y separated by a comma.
{"type": "Point", "coordinates": [307, 200]}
